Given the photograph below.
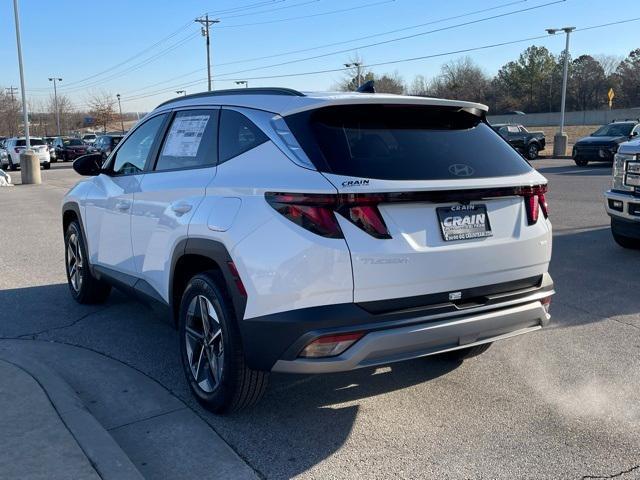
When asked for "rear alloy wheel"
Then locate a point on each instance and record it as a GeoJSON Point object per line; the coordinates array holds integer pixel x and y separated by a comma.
{"type": "Point", "coordinates": [532, 151]}
{"type": "Point", "coordinates": [466, 353]}
{"type": "Point", "coordinates": [84, 287]}
{"type": "Point", "coordinates": [211, 350]}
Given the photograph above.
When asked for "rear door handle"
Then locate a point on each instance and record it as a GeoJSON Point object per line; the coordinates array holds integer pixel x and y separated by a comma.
{"type": "Point", "coordinates": [181, 208]}
{"type": "Point", "coordinates": [123, 205]}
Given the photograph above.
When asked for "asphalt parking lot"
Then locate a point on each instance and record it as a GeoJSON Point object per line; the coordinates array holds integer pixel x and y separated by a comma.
{"type": "Point", "coordinates": [560, 403]}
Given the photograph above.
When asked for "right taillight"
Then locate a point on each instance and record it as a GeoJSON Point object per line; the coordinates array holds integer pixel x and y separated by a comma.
{"type": "Point", "coordinates": [535, 202]}
{"type": "Point", "coordinates": [316, 212]}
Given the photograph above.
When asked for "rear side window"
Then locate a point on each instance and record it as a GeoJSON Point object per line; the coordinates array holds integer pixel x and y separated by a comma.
{"type": "Point", "coordinates": [237, 135]}
{"type": "Point", "coordinates": [399, 142]}
{"type": "Point", "coordinates": [191, 141]}
{"type": "Point", "coordinates": [32, 141]}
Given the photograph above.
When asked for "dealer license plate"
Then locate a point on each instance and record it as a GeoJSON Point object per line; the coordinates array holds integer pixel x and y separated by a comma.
{"type": "Point", "coordinates": [464, 222]}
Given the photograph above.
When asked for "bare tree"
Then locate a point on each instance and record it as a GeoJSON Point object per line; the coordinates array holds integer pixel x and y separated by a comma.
{"type": "Point", "coordinates": [9, 113]}
{"type": "Point", "coordinates": [460, 79]}
{"type": "Point", "coordinates": [390, 83]}
{"type": "Point", "coordinates": [419, 86]}
{"type": "Point", "coordinates": [102, 108]}
{"type": "Point", "coordinates": [609, 63]}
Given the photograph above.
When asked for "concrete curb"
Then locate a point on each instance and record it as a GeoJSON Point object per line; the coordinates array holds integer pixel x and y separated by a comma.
{"type": "Point", "coordinates": [106, 456]}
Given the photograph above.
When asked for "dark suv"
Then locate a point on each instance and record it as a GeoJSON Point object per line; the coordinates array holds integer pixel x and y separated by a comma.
{"type": "Point", "coordinates": [602, 145]}
{"type": "Point", "coordinates": [105, 143]}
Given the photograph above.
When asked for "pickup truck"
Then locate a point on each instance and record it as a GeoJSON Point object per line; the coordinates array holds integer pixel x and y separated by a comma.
{"type": "Point", "coordinates": [622, 201]}
{"type": "Point", "coordinates": [528, 143]}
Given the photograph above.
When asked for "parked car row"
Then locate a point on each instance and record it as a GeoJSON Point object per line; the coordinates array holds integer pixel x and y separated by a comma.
{"type": "Point", "coordinates": [14, 146]}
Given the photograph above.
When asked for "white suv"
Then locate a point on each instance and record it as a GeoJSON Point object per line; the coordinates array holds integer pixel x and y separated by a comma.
{"type": "Point", "coordinates": [313, 233]}
{"type": "Point", "coordinates": [16, 145]}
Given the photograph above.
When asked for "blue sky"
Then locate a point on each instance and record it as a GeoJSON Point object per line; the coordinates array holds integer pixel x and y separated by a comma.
{"type": "Point", "coordinates": [76, 39]}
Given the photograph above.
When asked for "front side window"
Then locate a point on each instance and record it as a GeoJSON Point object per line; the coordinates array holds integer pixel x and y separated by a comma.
{"type": "Point", "coordinates": [237, 135]}
{"type": "Point", "coordinates": [132, 156]}
{"type": "Point", "coordinates": [191, 141]}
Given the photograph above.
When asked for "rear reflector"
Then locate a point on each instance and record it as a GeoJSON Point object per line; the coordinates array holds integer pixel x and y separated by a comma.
{"type": "Point", "coordinates": [330, 345]}
{"type": "Point", "coordinates": [236, 278]}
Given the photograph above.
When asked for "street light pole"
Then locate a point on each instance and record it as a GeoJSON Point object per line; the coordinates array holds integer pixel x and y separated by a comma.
{"type": "Point", "coordinates": [25, 113]}
{"type": "Point", "coordinates": [29, 163]}
{"type": "Point", "coordinates": [206, 23]}
{"type": "Point", "coordinates": [560, 140]}
{"type": "Point", "coordinates": [55, 102]}
{"type": "Point", "coordinates": [120, 109]}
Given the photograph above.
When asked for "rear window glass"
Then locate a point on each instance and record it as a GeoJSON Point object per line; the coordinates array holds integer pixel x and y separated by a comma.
{"type": "Point", "coordinates": [33, 141]}
{"type": "Point", "coordinates": [398, 142]}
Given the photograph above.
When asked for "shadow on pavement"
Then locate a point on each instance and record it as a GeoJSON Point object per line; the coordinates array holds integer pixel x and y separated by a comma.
{"type": "Point", "coordinates": [302, 420]}
{"type": "Point", "coordinates": [594, 275]}
{"type": "Point", "coordinates": [602, 168]}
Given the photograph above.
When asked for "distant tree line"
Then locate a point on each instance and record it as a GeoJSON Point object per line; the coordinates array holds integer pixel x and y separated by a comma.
{"type": "Point", "coordinates": [532, 83]}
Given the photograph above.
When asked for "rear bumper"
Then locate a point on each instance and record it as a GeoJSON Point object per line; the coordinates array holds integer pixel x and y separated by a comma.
{"type": "Point", "coordinates": [273, 342]}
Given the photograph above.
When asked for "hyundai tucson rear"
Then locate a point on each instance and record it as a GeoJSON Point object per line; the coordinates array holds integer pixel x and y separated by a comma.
{"type": "Point", "coordinates": [311, 233]}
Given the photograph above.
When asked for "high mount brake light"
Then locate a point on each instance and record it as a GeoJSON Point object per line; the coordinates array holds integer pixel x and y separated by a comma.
{"type": "Point", "coordinates": [316, 212]}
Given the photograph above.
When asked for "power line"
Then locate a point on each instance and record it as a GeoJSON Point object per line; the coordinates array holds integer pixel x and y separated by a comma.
{"type": "Point", "coordinates": [271, 10]}
{"type": "Point", "coordinates": [403, 60]}
{"type": "Point", "coordinates": [440, 20]}
{"type": "Point", "coordinates": [397, 39]}
{"type": "Point", "coordinates": [366, 37]}
{"type": "Point", "coordinates": [342, 10]}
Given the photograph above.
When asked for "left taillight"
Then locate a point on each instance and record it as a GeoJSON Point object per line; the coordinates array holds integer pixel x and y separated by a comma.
{"type": "Point", "coordinates": [535, 202]}
{"type": "Point", "coordinates": [316, 212]}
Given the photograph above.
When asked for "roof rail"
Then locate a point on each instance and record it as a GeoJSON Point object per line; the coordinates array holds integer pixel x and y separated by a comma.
{"type": "Point", "coordinates": [238, 91]}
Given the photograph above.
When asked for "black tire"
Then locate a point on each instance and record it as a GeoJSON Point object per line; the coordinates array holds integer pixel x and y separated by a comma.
{"type": "Point", "coordinates": [46, 165]}
{"type": "Point", "coordinates": [581, 162]}
{"type": "Point", "coordinates": [624, 241]}
{"type": "Point", "coordinates": [233, 386]}
{"type": "Point", "coordinates": [466, 353]}
{"type": "Point", "coordinates": [13, 167]}
{"type": "Point", "coordinates": [84, 287]}
{"type": "Point", "coordinates": [532, 151]}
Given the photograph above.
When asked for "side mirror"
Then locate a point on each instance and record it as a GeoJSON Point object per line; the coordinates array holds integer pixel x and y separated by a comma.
{"type": "Point", "coordinates": [88, 165]}
{"type": "Point", "coordinates": [634, 134]}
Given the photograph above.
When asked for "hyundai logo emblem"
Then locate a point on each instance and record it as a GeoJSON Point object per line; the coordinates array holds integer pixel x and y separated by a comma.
{"type": "Point", "coordinates": [461, 170]}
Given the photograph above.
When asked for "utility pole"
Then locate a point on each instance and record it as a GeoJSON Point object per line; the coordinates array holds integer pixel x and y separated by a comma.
{"type": "Point", "coordinates": [120, 110]}
{"type": "Point", "coordinates": [206, 23]}
{"type": "Point", "coordinates": [12, 91]}
{"type": "Point", "coordinates": [357, 66]}
{"type": "Point", "coordinates": [560, 140]}
{"type": "Point", "coordinates": [55, 102]}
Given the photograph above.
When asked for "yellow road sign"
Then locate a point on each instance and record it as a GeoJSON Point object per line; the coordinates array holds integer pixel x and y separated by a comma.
{"type": "Point", "coordinates": [611, 95]}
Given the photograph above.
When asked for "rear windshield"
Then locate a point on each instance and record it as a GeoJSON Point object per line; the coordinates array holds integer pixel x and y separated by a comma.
{"type": "Point", "coordinates": [398, 142]}
{"type": "Point", "coordinates": [72, 142]}
{"type": "Point", "coordinates": [33, 141]}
